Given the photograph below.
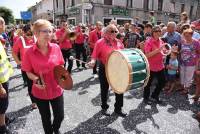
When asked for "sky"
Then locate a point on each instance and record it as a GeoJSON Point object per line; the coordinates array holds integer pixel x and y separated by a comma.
{"type": "Point", "coordinates": [18, 5]}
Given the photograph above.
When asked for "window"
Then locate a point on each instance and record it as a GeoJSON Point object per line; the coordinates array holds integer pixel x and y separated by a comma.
{"type": "Point", "coordinates": [56, 3]}
{"type": "Point", "coordinates": [72, 2]}
{"type": "Point", "coordinates": [129, 3]}
{"type": "Point", "coordinates": [182, 8]}
{"type": "Point", "coordinates": [160, 5]}
{"type": "Point", "coordinates": [146, 5]}
{"type": "Point", "coordinates": [108, 2]}
{"type": "Point", "coordinates": [191, 10]}
{"type": "Point", "coordinates": [173, 7]}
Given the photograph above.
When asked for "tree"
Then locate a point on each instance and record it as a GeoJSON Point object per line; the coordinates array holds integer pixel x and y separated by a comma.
{"type": "Point", "coordinates": [7, 14]}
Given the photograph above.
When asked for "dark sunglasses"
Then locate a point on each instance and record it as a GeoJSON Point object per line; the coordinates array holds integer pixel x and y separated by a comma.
{"type": "Point", "coordinates": [112, 31]}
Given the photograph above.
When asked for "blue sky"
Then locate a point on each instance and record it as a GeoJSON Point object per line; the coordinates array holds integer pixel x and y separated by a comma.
{"type": "Point", "coordinates": [18, 5]}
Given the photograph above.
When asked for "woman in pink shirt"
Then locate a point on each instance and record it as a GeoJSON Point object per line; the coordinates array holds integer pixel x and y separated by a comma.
{"type": "Point", "coordinates": [39, 62]}
{"type": "Point", "coordinates": [20, 46]}
{"type": "Point", "coordinates": [102, 50]}
{"type": "Point", "coordinates": [153, 47]}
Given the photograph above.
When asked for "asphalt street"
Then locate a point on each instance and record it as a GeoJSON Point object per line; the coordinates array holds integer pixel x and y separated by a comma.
{"type": "Point", "coordinates": [83, 116]}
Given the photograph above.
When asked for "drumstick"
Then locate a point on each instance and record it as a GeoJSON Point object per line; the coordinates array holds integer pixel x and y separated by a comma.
{"type": "Point", "coordinates": [72, 58]}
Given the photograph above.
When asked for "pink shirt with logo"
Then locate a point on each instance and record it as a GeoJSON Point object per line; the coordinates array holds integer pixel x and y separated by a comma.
{"type": "Point", "coordinates": [104, 47]}
{"type": "Point", "coordinates": [18, 46]}
{"type": "Point", "coordinates": [66, 43]}
{"type": "Point", "coordinates": [39, 64]}
{"type": "Point", "coordinates": [155, 62]}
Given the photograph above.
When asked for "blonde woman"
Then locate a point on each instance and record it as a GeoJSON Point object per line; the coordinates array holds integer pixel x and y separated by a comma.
{"type": "Point", "coordinates": [39, 62]}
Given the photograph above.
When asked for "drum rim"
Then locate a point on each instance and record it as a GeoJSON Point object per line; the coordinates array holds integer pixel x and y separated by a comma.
{"type": "Point", "coordinates": [129, 68]}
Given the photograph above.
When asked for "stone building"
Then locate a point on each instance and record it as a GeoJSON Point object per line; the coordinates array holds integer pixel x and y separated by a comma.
{"type": "Point", "coordinates": [89, 11]}
{"type": "Point", "coordinates": [43, 10]}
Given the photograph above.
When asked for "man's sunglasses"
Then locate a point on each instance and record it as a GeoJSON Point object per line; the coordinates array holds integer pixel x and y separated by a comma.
{"type": "Point", "coordinates": [112, 31]}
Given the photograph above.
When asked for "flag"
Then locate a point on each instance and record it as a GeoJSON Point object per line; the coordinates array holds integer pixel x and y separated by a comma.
{"type": "Point", "coordinates": [26, 15]}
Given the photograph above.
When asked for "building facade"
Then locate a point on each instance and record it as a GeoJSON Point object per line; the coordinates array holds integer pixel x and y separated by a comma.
{"type": "Point", "coordinates": [89, 11]}
{"type": "Point", "coordinates": [43, 10]}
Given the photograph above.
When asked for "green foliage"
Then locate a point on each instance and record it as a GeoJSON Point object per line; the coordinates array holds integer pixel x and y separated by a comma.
{"type": "Point", "coordinates": [7, 14]}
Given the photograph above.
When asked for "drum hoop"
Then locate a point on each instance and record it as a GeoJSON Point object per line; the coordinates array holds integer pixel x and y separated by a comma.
{"type": "Point", "coordinates": [129, 68]}
{"type": "Point", "coordinates": [147, 66]}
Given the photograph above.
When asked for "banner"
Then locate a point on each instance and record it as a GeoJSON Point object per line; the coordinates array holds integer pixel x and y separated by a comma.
{"type": "Point", "coordinates": [26, 15]}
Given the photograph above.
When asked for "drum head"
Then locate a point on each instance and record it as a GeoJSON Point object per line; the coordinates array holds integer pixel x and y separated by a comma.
{"type": "Point", "coordinates": [63, 77]}
{"type": "Point", "coordinates": [118, 72]}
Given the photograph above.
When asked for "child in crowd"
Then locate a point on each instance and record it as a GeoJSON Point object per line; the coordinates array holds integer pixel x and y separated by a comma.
{"type": "Point", "coordinates": [172, 68]}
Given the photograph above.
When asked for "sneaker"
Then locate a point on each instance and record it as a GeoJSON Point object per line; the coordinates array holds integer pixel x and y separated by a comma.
{"type": "Point", "coordinates": [96, 76]}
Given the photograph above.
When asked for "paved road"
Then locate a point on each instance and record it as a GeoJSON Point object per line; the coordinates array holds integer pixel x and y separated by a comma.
{"type": "Point", "coordinates": [82, 114]}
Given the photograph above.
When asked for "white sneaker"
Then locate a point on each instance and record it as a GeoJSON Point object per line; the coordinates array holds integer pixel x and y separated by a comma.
{"type": "Point", "coordinates": [96, 76]}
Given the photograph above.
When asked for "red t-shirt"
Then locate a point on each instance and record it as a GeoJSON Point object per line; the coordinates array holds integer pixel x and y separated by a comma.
{"type": "Point", "coordinates": [155, 62]}
{"type": "Point", "coordinates": [80, 38]}
{"type": "Point", "coordinates": [66, 43]}
{"type": "Point", "coordinates": [18, 46]}
{"type": "Point", "coordinates": [103, 48]}
{"type": "Point", "coordinates": [37, 63]}
{"type": "Point", "coordinates": [93, 37]}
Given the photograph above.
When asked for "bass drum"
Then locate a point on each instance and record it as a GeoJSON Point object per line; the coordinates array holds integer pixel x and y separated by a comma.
{"type": "Point", "coordinates": [127, 69]}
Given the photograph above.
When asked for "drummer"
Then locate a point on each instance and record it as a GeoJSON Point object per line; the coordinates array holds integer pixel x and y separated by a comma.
{"type": "Point", "coordinates": [152, 48]}
{"type": "Point", "coordinates": [103, 48]}
{"type": "Point", "coordinates": [39, 62]}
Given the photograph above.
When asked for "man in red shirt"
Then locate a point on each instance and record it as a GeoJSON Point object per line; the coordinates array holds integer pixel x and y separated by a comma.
{"type": "Point", "coordinates": [102, 50]}
{"type": "Point", "coordinates": [94, 36]}
{"type": "Point", "coordinates": [65, 44]}
{"type": "Point", "coordinates": [79, 46]}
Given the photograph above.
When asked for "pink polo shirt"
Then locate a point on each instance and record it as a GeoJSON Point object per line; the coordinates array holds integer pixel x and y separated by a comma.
{"type": "Point", "coordinates": [155, 62]}
{"type": "Point", "coordinates": [37, 63]}
{"type": "Point", "coordinates": [80, 38]}
{"type": "Point", "coordinates": [66, 43]}
{"type": "Point", "coordinates": [103, 48]}
{"type": "Point", "coordinates": [93, 37]}
{"type": "Point", "coordinates": [19, 48]}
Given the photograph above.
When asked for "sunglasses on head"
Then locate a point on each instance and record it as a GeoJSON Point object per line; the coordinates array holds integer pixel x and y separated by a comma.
{"type": "Point", "coordinates": [113, 31]}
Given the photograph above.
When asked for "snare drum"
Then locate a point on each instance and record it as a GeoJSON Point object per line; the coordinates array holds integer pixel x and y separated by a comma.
{"type": "Point", "coordinates": [127, 69]}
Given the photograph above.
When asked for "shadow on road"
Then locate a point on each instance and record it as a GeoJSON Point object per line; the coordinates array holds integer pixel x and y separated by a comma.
{"type": "Point", "coordinates": [84, 85]}
{"type": "Point", "coordinates": [139, 115]}
{"type": "Point", "coordinates": [96, 124]}
{"type": "Point", "coordinates": [17, 88]}
{"type": "Point", "coordinates": [20, 118]}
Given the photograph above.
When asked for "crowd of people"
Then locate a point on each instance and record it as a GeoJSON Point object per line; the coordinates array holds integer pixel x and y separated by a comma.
{"type": "Point", "coordinates": [39, 47]}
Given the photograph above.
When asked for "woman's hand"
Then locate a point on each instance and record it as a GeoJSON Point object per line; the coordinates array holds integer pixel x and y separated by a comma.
{"type": "Point", "coordinates": [3, 93]}
{"type": "Point", "coordinates": [92, 63]}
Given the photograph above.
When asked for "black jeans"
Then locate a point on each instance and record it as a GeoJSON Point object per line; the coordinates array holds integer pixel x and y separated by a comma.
{"type": "Point", "coordinates": [80, 49]}
{"type": "Point", "coordinates": [29, 84]}
{"type": "Point", "coordinates": [57, 105]}
{"type": "Point", "coordinates": [104, 91]}
{"type": "Point", "coordinates": [95, 66]}
{"type": "Point", "coordinates": [160, 76]}
{"type": "Point", "coordinates": [66, 54]}
{"type": "Point", "coordinates": [24, 77]}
